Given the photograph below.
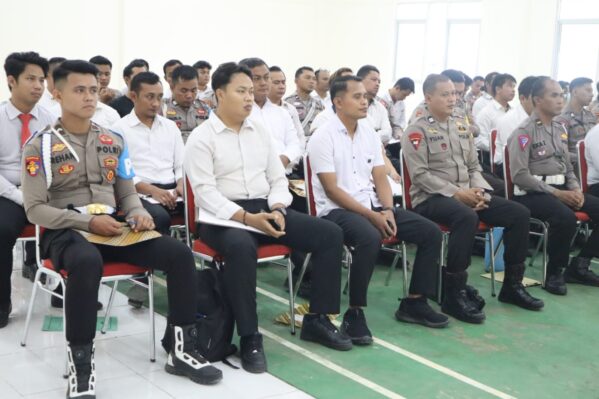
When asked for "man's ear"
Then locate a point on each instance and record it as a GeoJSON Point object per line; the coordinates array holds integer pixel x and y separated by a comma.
{"type": "Point", "coordinates": [11, 81]}
{"type": "Point", "coordinates": [57, 94]}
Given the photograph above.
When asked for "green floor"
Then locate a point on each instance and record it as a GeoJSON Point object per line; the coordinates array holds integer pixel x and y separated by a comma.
{"type": "Point", "coordinates": [515, 353]}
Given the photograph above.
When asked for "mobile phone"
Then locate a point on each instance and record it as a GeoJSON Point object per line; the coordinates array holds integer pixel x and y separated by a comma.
{"type": "Point", "coordinates": [274, 225]}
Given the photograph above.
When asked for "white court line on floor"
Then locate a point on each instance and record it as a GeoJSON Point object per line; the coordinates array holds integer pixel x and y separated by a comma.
{"type": "Point", "coordinates": [428, 363]}
{"type": "Point", "coordinates": [332, 366]}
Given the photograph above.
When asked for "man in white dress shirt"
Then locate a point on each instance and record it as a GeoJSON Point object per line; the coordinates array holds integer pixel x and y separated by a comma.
{"type": "Point", "coordinates": [278, 87]}
{"type": "Point", "coordinates": [591, 153]}
{"type": "Point", "coordinates": [321, 89]}
{"type": "Point", "coordinates": [506, 124]}
{"type": "Point", "coordinates": [20, 117]}
{"type": "Point", "coordinates": [393, 101]}
{"type": "Point", "coordinates": [236, 174]}
{"type": "Point", "coordinates": [47, 101]}
{"type": "Point", "coordinates": [482, 101]}
{"type": "Point", "coordinates": [377, 114]}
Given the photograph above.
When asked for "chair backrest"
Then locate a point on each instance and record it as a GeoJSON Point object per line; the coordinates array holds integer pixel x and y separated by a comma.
{"type": "Point", "coordinates": [507, 177]}
{"type": "Point", "coordinates": [309, 189]}
{"type": "Point", "coordinates": [583, 167]}
{"type": "Point", "coordinates": [406, 183]}
{"type": "Point", "coordinates": [190, 209]}
{"type": "Point", "coordinates": [492, 148]}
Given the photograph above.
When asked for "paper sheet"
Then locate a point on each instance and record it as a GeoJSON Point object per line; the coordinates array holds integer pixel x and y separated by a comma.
{"type": "Point", "coordinates": [154, 201]}
{"type": "Point", "coordinates": [298, 186]}
{"type": "Point", "coordinates": [395, 187]}
{"type": "Point", "coordinates": [204, 216]}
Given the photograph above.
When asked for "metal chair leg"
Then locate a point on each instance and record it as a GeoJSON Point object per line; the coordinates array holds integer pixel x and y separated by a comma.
{"type": "Point", "coordinates": [152, 317]}
{"type": "Point", "coordinates": [291, 294]}
{"type": "Point", "coordinates": [492, 253]}
{"type": "Point", "coordinates": [404, 264]}
{"type": "Point", "coordinates": [300, 277]}
{"type": "Point", "coordinates": [441, 264]}
{"type": "Point", "coordinates": [108, 308]}
{"type": "Point", "coordinates": [30, 307]}
{"type": "Point", "coordinates": [545, 239]}
{"type": "Point", "coordinates": [392, 269]}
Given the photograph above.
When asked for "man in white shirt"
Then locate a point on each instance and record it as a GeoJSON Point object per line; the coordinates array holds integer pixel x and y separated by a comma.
{"type": "Point", "coordinates": [104, 65]}
{"type": "Point", "coordinates": [156, 151]}
{"type": "Point", "coordinates": [20, 117]}
{"type": "Point", "coordinates": [504, 91]}
{"type": "Point", "coordinates": [377, 114]}
{"type": "Point", "coordinates": [274, 118]}
{"type": "Point", "coordinates": [47, 101]}
{"type": "Point", "coordinates": [591, 153]}
{"type": "Point", "coordinates": [205, 92]}
{"type": "Point", "coordinates": [351, 189]}
{"type": "Point", "coordinates": [482, 101]}
{"type": "Point", "coordinates": [508, 123]}
{"type": "Point", "coordinates": [278, 87]}
{"type": "Point", "coordinates": [236, 174]}
{"type": "Point", "coordinates": [393, 101]}
{"type": "Point", "coordinates": [321, 91]}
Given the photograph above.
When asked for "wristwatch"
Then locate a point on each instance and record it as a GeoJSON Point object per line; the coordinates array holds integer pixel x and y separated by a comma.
{"type": "Point", "coordinates": [282, 211]}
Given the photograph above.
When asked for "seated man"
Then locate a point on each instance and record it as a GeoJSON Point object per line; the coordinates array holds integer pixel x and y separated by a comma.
{"type": "Point", "coordinates": [20, 116]}
{"type": "Point", "coordinates": [591, 152]}
{"type": "Point", "coordinates": [448, 188]}
{"type": "Point", "coordinates": [545, 182]}
{"type": "Point", "coordinates": [351, 189]}
{"type": "Point", "coordinates": [235, 173]}
{"type": "Point", "coordinates": [66, 168]}
{"type": "Point", "coordinates": [156, 149]}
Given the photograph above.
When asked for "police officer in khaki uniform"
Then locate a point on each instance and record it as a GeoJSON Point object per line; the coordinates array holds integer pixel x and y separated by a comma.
{"type": "Point", "coordinates": [545, 182]}
{"type": "Point", "coordinates": [184, 108]}
{"type": "Point", "coordinates": [448, 188]}
{"type": "Point", "coordinates": [576, 118]}
{"type": "Point", "coordinates": [75, 175]}
{"type": "Point", "coordinates": [307, 106]}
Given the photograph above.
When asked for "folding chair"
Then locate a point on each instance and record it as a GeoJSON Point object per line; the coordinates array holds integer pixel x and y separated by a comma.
{"type": "Point", "coordinates": [389, 245]}
{"type": "Point", "coordinates": [266, 252]}
{"type": "Point", "coordinates": [492, 147]}
{"type": "Point", "coordinates": [112, 272]}
{"type": "Point", "coordinates": [583, 171]}
{"type": "Point", "coordinates": [544, 234]}
{"type": "Point", "coordinates": [483, 228]}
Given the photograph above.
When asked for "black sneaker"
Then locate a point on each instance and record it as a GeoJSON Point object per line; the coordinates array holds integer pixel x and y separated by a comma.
{"type": "Point", "coordinates": [354, 326]}
{"type": "Point", "coordinates": [474, 297]}
{"type": "Point", "coordinates": [185, 360]}
{"type": "Point", "coordinates": [579, 272]}
{"type": "Point", "coordinates": [251, 351]}
{"type": "Point", "coordinates": [318, 328]}
{"type": "Point", "coordinates": [4, 313]}
{"type": "Point", "coordinates": [555, 284]}
{"type": "Point", "coordinates": [418, 311]}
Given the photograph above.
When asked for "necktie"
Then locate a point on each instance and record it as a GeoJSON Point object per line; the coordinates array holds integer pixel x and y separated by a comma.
{"type": "Point", "coordinates": [25, 132]}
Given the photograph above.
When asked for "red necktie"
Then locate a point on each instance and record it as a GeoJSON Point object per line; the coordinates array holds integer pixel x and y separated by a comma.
{"type": "Point", "coordinates": [25, 132]}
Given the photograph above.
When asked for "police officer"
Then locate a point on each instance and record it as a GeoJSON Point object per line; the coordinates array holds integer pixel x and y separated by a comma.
{"type": "Point", "coordinates": [448, 188]}
{"type": "Point", "coordinates": [75, 174]}
{"type": "Point", "coordinates": [184, 108]}
{"type": "Point", "coordinates": [576, 118]}
{"type": "Point", "coordinates": [307, 106]}
{"type": "Point", "coordinates": [545, 182]}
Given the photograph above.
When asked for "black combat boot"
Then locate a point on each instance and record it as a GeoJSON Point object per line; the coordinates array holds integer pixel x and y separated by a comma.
{"type": "Point", "coordinates": [513, 290]}
{"type": "Point", "coordinates": [579, 272]}
{"type": "Point", "coordinates": [456, 302]}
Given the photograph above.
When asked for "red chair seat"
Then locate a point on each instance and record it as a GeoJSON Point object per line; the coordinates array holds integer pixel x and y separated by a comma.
{"type": "Point", "coordinates": [264, 251]}
{"type": "Point", "coordinates": [583, 217]}
{"type": "Point", "coordinates": [482, 227]}
{"type": "Point", "coordinates": [28, 231]}
{"type": "Point", "coordinates": [177, 220]}
{"type": "Point", "coordinates": [391, 241]}
{"type": "Point", "coordinates": [110, 268]}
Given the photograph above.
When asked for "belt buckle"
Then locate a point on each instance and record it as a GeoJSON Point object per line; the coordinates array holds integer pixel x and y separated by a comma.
{"type": "Point", "coordinates": [97, 209]}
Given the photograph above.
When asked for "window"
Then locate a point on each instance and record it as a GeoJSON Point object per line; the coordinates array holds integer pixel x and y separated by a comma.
{"type": "Point", "coordinates": [461, 52]}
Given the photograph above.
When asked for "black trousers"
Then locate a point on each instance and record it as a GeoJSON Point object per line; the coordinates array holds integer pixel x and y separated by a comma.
{"type": "Point", "coordinates": [463, 224]}
{"type": "Point", "coordinates": [594, 189]}
{"type": "Point", "coordinates": [84, 262]}
{"type": "Point", "coordinates": [562, 226]}
{"type": "Point", "coordinates": [302, 232]}
{"type": "Point", "coordinates": [161, 214]}
{"type": "Point", "coordinates": [365, 239]}
{"type": "Point", "coordinates": [12, 222]}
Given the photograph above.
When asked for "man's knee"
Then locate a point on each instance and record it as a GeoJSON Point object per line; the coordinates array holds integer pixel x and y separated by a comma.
{"type": "Point", "coordinates": [86, 263]}
{"type": "Point", "coordinates": [330, 234]}
{"type": "Point", "coordinates": [162, 220]}
{"type": "Point", "coordinates": [239, 243]}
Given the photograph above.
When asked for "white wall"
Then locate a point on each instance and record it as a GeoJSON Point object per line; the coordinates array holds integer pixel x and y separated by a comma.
{"type": "Point", "coordinates": [289, 33]}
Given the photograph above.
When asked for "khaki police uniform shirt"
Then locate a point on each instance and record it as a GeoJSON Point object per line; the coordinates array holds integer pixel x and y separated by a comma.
{"type": "Point", "coordinates": [538, 150]}
{"type": "Point", "coordinates": [458, 112]}
{"type": "Point", "coordinates": [187, 119]}
{"type": "Point", "coordinates": [103, 175]}
{"type": "Point", "coordinates": [441, 158]}
{"type": "Point", "coordinates": [577, 126]}
{"type": "Point", "coordinates": [306, 110]}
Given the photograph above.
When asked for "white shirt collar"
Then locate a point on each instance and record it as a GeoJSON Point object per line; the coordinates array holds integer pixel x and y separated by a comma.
{"type": "Point", "coordinates": [13, 112]}
{"type": "Point", "coordinates": [219, 127]}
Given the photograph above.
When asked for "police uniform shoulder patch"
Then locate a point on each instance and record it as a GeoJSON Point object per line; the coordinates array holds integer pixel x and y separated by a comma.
{"type": "Point", "coordinates": [66, 169]}
{"type": "Point", "coordinates": [415, 138]}
{"type": "Point", "coordinates": [111, 162]}
{"type": "Point", "coordinates": [523, 140]}
{"type": "Point", "coordinates": [106, 139]}
{"type": "Point", "coordinates": [58, 147]}
{"type": "Point", "coordinates": [110, 176]}
{"type": "Point", "coordinates": [32, 165]}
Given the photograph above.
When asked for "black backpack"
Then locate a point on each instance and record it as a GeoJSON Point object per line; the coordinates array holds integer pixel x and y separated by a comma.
{"type": "Point", "coordinates": [214, 319]}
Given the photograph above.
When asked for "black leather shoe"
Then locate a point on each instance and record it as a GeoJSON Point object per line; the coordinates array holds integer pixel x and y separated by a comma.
{"type": "Point", "coordinates": [477, 300]}
{"type": "Point", "coordinates": [579, 272]}
{"type": "Point", "coordinates": [4, 313]}
{"type": "Point", "coordinates": [318, 328]}
{"type": "Point", "coordinates": [28, 271]}
{"type": "Point", "coordinates": [456, 302]}
{"type": "Point", "coordinates": [252, 355]}
{"type": "Point", "coordinates": [355, 327]}
{"type": "Point", "coordinates": [516, 294]}
{"type": "Point", "coordinates": [555, 284]}
{"type": "Point", "coordinates": [418, 311]}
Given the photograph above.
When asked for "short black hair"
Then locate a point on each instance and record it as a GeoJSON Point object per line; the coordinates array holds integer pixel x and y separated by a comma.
{"type": "Point", "coordinates": [52, 62]}
{"type": "Point", "coordinates": [499, 80]}
{"type": "Point", "coordinates": [275, 68]}
{"type": "Point", "coordinates": [252, 62]}
{"type": "Point", "coordinates": [170, 63]}
{"type": "Point", "coordinates": [136, 63]}
{"type": "Point", "coordinates": [525, 86]}
{"type": "Point", "coordinates": [564, 85]}
{"type": "Point", "coordinates": [15, 63]}
{"type": "Point", "coordinates": [468, 79]}
{"type": "Point", "coordinates": [202, 65]}
{"type": "Point", "coordinates": [339, 86]}
{"type": "Point", "coordinates": [431, 81]}
{"type": "Point", "coordinates": [454, 75]}
{"type": "Point", "coordinates": [538, 87]}
{"type": "Point", "coordinates": [478, 78]}
{"type": "Point", "coordinates": [579, 82]}
{"type": "Point", "coordinates": [223, 74]}
{"type": "Point", "coordinates": [184, 72]}
{"type": "Point", "coordinates": [301, 70]}
{"type": "Point", "coordinates": [73, 66]}
{"type": "Point", "coordinates": [365, 70]}
{"type": "Point", "coordinates": [490, 76]}
{"type": "Point", "coordinates": [405, 84]}
{"type": "Point", "coordinates": [318, 71]}
{"type": "Point", "coordinates": [149, 78]}
{"type": "Point", "coordinates": [100, 60]}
